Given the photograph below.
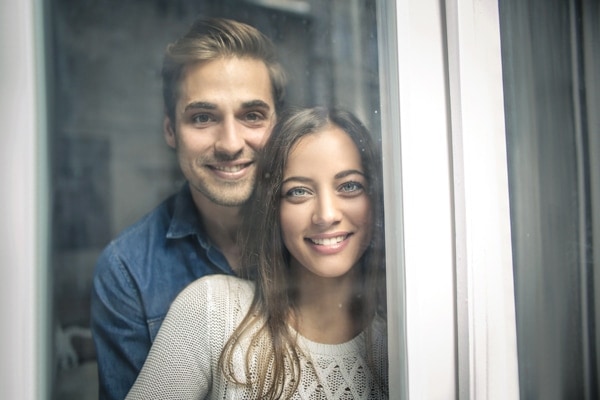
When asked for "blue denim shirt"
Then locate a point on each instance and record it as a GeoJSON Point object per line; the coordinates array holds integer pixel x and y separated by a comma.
{"type": "Point", "coordinates": [137, 277]}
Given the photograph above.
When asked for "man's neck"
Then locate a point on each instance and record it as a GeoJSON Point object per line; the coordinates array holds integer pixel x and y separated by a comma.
{"type": "Point", "coordinates": [221, 224]}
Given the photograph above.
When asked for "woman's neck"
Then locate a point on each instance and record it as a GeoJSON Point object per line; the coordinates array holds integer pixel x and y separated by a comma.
{"type": "Point", "coordinates": [327, 310]}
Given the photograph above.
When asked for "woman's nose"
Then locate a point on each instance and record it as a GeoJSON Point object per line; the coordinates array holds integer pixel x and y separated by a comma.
{"type": "Point", "coordinates": [326, 210]}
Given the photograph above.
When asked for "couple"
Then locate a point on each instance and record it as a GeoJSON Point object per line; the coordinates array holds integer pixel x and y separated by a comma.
{"type": "Point", "coordinates": [302, 317]}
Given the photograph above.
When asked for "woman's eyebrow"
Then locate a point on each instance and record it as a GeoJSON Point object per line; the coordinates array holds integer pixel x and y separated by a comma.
{"type": "Point", "coordinates": [339, 175]}
{"type": "Point", "coordinates": [301, 179]}
{"type": "Point", "coordinates": [347, 172]}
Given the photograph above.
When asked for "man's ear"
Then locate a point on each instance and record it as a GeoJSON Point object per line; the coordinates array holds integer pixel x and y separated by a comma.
{"type": "Point", "coordinates": [169, 132]}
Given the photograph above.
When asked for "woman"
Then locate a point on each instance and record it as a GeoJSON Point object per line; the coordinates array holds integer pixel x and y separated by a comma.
{"type": "Point", "coordinates": [305, 317]}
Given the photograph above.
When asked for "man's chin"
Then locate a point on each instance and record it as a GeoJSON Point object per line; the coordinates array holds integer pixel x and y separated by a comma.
{"type": "Point", "coordinates": [227, 198]}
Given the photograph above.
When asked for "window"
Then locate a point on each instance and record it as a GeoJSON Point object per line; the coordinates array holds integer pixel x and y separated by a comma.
{"type": "Point", "coordinates": [444, 73]}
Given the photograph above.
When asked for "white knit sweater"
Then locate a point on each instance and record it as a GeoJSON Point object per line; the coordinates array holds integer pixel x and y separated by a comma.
{"type": "Point", "coordinates": [183, 361]}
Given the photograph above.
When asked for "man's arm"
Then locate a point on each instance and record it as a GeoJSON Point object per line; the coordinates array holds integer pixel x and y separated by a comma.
{"type": "Point", "coordinates": [183, 358]}
{"type": "Point", "coordinates": [118, 325]}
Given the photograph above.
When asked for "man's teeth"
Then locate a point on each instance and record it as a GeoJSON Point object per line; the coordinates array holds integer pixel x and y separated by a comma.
{"type": "Point", "coordinates": [328, 241]}
{"type": "Point", "coordinates": [234, 168]}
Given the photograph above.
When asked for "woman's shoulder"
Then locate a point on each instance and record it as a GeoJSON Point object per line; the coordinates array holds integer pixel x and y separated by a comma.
{"type": "Point", "coordinates": [220, 281]}
{"type": "Point", "coordinates": [216, 288]}
{"type": "Point", "coordinates": [217, 285]}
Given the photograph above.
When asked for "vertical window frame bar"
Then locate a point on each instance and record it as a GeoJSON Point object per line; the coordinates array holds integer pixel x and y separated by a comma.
{"type": "Point", "coordinates": [484, 364]}
{"type": "Point", "coordinates": [487, 348]}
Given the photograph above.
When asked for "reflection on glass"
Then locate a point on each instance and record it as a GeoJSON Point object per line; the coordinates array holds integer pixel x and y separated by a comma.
{"type": "Point", "coordinates": [110, 164]}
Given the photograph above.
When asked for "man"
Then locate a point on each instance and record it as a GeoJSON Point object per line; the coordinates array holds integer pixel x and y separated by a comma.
{"type": "Point", "coordinates": [222, 88]}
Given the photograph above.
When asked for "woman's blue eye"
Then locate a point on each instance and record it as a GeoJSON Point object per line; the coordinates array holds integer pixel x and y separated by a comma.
{"type": "Point", "coordinates": [297, 192]}
{"type": "Point", "coordinates": [350, 187]}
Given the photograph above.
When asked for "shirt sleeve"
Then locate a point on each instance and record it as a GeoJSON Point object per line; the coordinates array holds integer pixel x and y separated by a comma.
{"type": "Point", "coordinates": [118, 325]}
{"type": "Point", "coordinates": [180, 362]}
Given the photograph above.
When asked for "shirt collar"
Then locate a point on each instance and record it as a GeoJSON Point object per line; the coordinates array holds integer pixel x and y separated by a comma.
{"type": "Point", "coordinates": [186, 220]}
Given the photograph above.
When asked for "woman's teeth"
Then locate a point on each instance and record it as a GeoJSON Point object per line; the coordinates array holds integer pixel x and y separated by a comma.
{"type": "Point", "coordinates": [328, 241]}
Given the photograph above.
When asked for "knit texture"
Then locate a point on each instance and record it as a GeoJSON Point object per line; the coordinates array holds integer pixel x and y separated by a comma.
{"type": "Point", "coordinates": [183, 361]}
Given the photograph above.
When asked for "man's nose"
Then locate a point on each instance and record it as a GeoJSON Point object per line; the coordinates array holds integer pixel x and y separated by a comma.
{"type": "Point", "coordinates": [230, 139]}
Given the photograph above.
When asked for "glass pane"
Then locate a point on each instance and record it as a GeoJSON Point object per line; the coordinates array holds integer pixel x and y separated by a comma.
{"type": "Point", "coordinates": [110, 164]}
{"type": "Point", "coordinates": [551, 60]}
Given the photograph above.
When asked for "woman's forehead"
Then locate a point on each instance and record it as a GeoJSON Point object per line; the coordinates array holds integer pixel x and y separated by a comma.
{"type": "Point", "coordinates": [330, 147]}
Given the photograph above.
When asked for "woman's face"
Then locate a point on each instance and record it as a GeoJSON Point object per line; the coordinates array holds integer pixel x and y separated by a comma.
{"type": "Point", "coordinates": [326, 217]}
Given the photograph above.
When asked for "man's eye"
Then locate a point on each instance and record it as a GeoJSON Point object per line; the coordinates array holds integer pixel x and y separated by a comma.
{"type": "Point", "coordinates": [254, 116]}
{"type": "Point", "coordinates": [201, 118]}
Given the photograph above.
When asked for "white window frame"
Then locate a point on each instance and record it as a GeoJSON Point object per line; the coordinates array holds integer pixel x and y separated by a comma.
{"type": "Point", "coordinates": [24, 205]}
{"type": "Point", "coordinates": [450, 288]}
{"type": "Point", "coordinates": [447, 208]}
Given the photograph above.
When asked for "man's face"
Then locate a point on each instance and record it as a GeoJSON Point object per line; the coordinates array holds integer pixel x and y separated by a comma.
{"type": "Point", "coordinates": [224, 114]}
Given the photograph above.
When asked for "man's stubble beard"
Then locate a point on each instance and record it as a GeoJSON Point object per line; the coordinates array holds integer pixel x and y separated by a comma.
{"type": "Point", "coordinates": [232, 194]}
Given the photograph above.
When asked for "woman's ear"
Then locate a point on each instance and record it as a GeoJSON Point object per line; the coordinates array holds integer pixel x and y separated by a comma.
{"type": "Point", "coordinates": [169, 132]}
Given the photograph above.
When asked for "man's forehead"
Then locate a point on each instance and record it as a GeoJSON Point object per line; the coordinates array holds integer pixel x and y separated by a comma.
{"type": "Point", "coordinates": [209, 85]}
{"type": "Point", "coordinates": [245, 65]}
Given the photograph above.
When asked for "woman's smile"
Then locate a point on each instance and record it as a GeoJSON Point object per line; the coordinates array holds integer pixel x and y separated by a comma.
{"type": "Point", "coordinates": [325, 210]}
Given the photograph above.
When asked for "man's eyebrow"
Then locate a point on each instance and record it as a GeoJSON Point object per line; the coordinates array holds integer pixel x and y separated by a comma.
{"type": "Point", "coordinates": [203, 105]}
{"type": "Point", "coordinates": [255, 103]}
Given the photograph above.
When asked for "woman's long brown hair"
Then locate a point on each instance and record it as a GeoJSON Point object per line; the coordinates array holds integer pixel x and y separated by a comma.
{"type": "Point", "coordinates": [265, 260]}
